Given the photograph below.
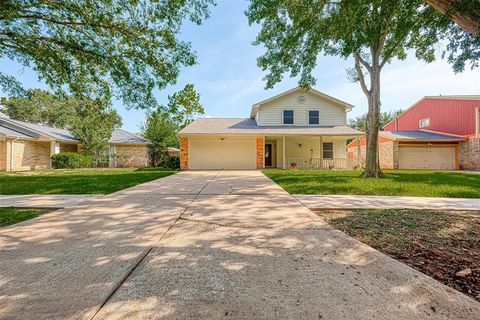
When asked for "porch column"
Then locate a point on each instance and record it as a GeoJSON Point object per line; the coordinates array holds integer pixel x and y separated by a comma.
{"type": "Point", "coordinates": [359, 152]}
{"type": "Point", "coordinates": [283, 154]}
{"type": "Point", "coordinates": [321, 152]}
{"type": "Point", "coordinates": [54, 149]}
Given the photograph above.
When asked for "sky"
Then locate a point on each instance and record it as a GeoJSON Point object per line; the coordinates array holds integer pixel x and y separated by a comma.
{"type": "Point", "coordinates": [230, 82]}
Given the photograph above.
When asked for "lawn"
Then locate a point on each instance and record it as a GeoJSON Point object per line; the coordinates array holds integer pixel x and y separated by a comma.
{"type": "Point", "coordinates": [81, 181]}
{"type": "Point", "coordinates": [397, 183]}
{"type": "Point", "coordinates": [437, 243]}
{"type": "Point", "coordinates": [10, 216]}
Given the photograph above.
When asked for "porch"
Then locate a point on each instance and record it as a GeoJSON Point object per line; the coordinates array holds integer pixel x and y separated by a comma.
{"type": "Point", "coordinates": [307, 152]}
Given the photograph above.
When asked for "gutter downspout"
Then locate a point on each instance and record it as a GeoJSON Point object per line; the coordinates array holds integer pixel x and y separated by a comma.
{"type": "Point", "coordinates": [477, 122]}
{"type": "Point", "coordinates": [11, 153]}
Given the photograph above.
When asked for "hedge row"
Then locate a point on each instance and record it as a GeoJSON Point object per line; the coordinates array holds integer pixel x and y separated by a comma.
{"type": "Point", "coordinates": [71, 160]}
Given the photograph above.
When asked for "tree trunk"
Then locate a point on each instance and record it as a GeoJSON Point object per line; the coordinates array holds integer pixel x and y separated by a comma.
{"type": "Point", "coordinates": [372, 163]}
{"type": "Point", "coordinates": [468, 21]}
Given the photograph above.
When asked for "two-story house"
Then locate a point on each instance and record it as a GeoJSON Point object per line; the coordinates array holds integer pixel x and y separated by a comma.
{"type": "Point", "coordinates": [295, 129]}
{"type": "Point", "coordinates": [437, 132]}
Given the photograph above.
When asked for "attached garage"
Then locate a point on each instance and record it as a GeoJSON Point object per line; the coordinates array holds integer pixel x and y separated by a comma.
{"type": "Point", "coordinates": [222, 153]}
{"type": "Point", "coordinates": [432, 157]}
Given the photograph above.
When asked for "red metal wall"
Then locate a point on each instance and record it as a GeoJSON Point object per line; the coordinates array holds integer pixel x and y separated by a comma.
{"type": "Point", "coordinates": [449, 115]}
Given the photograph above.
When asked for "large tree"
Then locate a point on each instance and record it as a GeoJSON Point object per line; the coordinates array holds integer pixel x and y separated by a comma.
{"type": "Point", "coordinates": [93, 126]}
{"type": "Point", "coordinates": [465, 13]}
{"type": "Point", "coordinates": [41, 107]}
{"type": "Point", "coordinates": [373, 32]}
{"type": "Point", "coordinates": [184, 106]}
{"type": "Point", "coordinates": [99, 48]}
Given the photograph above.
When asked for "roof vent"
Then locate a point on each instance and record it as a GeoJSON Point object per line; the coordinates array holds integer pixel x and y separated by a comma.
{"type": "Point", "coordinates": [301, 99]}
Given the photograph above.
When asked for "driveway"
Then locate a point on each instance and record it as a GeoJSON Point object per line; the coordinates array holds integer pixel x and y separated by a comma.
{"type": "Point", "coordinates": [206, 245]}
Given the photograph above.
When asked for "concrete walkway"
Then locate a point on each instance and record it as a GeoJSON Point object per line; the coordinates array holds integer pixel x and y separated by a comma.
{"type": "Point", "coordinates": [206, 245]}
{"type": "Point", "coordinates": [53, 201]}
{"type": "Point", "coordinates": [383, 202]}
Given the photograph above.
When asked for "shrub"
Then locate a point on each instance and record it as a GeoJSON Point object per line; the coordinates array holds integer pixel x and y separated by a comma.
{"type": "Point", "coordinates": [71, 160]}
{"type": "Point", "coordinates": [171, 162]}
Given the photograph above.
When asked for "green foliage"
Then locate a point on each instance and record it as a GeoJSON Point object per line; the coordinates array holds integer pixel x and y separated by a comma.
{"type": "Point", "coordinates": [161, 131]}
{"type": "Point", "coordinates": [41, 107]}
{"type": "Point", "coordinates": [71, 160]}
{"type": "Point", "coordinates": [94, 125]}
{"type": "Point", "coordinates": [98, 48]}
{"type": "Point", "coordinates": [162, 124]}
{"type": "Point", "coordinates": [184, 105]}
{"type": "Point", "coordinates": [294, 32]}
{"type": "Point", "coordinates": [171, 162]}
{"type": "Point", "coordinates": [360, 122]}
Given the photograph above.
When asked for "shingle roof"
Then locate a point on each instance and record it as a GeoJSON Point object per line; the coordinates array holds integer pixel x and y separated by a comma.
{"type": "Point", "coordinates": [13, 133]}
{"type": "Point", "coordinates": [249, 127]}
{"type": "Point", "coordinates": [119, 136]}
{"type": "Point", "coordinates": [418, 135]}
{"type": "Point", "coordinates": [123, 136]}
{"type": "Point", "coordinates": [57, 134]}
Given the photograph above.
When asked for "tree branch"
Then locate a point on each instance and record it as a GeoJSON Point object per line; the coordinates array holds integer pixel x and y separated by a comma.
{"type": "Point", "coordinates": [359, 71]}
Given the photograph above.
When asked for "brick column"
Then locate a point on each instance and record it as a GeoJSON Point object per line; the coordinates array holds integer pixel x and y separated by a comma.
{"type": "Point", "coordinates": [183, 153]}
{"type": "Point", "coordinates": [259, 151]}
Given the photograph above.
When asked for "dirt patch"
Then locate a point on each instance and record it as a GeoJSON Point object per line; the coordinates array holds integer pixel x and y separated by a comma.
{"type": "Point", "coordinates": [437, 243]}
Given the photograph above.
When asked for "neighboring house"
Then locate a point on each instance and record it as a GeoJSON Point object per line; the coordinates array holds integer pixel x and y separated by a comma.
{"type": "Point", "coordinates": [439, 133]}
{"type": "Point", "coordinates": [298, 128]}
{"type": "Point", "coordinates": [27, 146]}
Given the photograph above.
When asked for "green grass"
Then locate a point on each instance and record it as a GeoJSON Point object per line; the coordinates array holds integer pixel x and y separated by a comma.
{"type": "Point", "coordinates": [397, 183]}
{"type": "Point", "coordinates": [9, 216]}
{"type": "Point", "coordinates": [81, 181]}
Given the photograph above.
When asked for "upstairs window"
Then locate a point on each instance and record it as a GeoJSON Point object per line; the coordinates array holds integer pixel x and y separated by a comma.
{"type": "Point", "coordinates": [424, 122]}
{"type": "Point", "coordinates": [313, 117]}
{"type": "Point", "coordinates": [287, 116]}
{"type": "Point", "coordinates": [327, 150]}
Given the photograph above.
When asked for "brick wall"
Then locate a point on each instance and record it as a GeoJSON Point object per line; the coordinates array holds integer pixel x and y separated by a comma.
{"type": "Point", "coordinates": [260, 143]}
{"type": "Point", "coordinates": [388, 155]}
{"type": "Point", "coordinates": [469, 154]}
{"type": "Point", "coordinates": [30, 155]}
{"type": "Point", "coordinates": [3, 155]}
{"type": "Point", "coordinates": [184, 153]}
{"type": "Point", "coordinates": [135, 156]}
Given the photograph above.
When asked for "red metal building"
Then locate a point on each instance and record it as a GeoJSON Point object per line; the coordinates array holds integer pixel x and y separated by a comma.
{"type": "Point", "coordinates": [447, 114]}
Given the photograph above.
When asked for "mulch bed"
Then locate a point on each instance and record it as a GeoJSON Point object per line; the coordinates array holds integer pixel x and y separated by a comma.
{"type": "Point", "coordinates": [437, 243]}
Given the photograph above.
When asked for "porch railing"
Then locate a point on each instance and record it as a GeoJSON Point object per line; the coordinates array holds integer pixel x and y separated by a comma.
{"type": "Point", "coordinates": [319, 163]}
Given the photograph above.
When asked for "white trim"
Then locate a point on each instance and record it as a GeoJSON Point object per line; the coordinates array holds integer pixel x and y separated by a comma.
{"type": "Point", "coordinates": [424, 126]}
{"type": "Point", "coordinates": [308, 117]}
{"type": "Point", "coordinates": [283, 117]}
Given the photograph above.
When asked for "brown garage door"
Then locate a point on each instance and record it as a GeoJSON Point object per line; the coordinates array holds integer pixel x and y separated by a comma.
{"type": "Point", "coordinates": [431, 158]}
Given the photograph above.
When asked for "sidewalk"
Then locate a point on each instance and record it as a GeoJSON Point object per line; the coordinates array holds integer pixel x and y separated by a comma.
{"type": "Point", "coordinates": [385, 202]}
{"type": "Point", "coordinates": [51, 201]}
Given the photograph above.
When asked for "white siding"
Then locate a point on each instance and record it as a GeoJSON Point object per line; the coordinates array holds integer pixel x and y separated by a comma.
{"type": "Point", "coordinates": [271, 113]}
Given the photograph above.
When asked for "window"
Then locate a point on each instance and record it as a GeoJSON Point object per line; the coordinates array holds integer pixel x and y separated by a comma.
{"type": "Point", "coordinates": [287, 116]}
{"type": "Point", "coordinates": [424, 122]}
{"type": "Point", "coordinates": [328, 150]}
{"type": "Point", "coordinates": [313, 117]}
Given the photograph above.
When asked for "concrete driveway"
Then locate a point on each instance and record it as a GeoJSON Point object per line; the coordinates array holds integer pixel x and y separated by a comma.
{"type": "Point", "coordinates": [206, 245]}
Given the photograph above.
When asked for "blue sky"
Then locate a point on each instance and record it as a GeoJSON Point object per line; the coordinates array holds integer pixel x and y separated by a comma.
{"type": "Point", "coordinates": [229, 80]}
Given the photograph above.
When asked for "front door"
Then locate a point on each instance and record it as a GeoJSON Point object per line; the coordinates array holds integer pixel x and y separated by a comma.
{"type": "Point", "coordinates": [268, 155]}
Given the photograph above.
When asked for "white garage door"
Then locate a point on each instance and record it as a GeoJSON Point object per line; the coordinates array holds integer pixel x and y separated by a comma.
{"type": "Point", "coordinates": [229, 153]}
{"type": "Point", "coordinates": [433, 158]}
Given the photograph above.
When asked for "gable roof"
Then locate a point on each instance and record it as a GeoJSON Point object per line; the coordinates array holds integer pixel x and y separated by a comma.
{"type": "Point", "coordinates": [255, 107]}
{"type": "Point", "coordinates": [11, 133]}
{"type": "Point", "coordinates": [23, 129]}
{"type": "Point", "coordinates": [248, 126]}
